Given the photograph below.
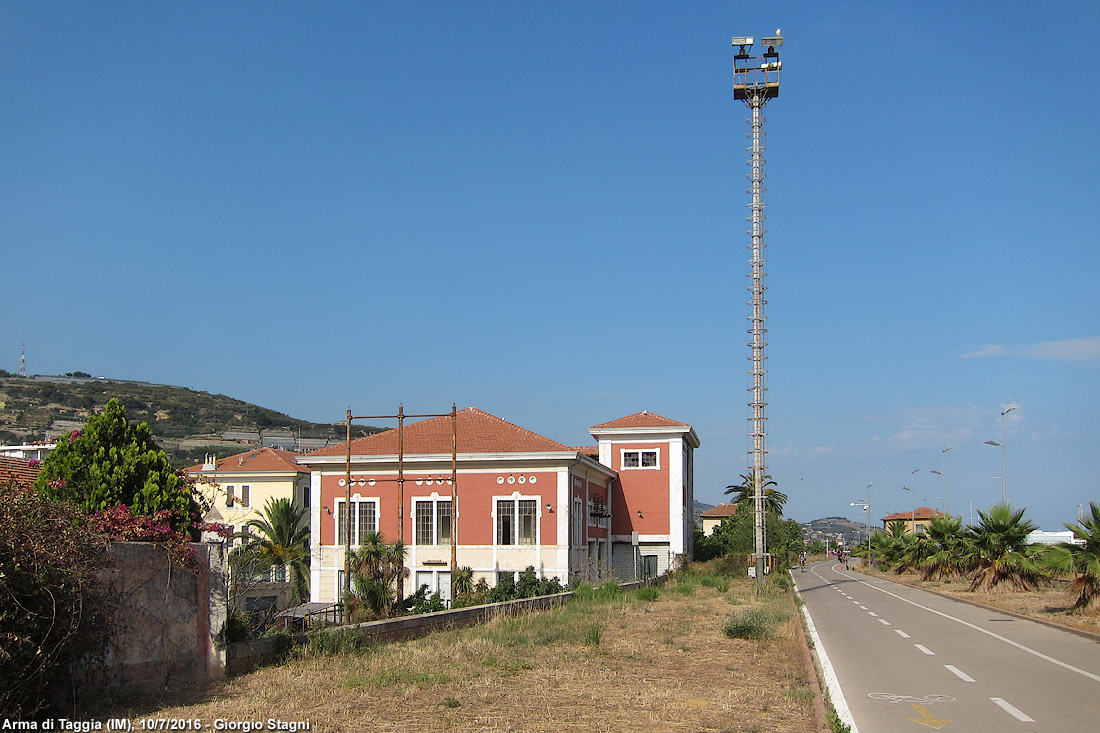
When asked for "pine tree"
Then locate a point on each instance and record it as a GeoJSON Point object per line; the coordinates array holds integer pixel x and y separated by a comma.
{"type": "Point", "coordinates": [113, 462]}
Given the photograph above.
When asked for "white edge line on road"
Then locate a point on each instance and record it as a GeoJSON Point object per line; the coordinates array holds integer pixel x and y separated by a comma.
{"type": "Point", "coordinates": [1006, 640]}
{"type": "Point", "coordinates": [1014, 712]}
{"type": "Point", "coordinates": [958, 673]}
{"type": "Point", "coordinates": [832, 684]}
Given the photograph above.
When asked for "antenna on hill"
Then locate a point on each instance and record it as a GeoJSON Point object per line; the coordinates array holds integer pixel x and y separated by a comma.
{"type": "Point", "coordinates": [23, 360]}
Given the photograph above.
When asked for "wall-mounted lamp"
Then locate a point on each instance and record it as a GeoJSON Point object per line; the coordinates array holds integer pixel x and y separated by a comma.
{"type": "Point", "coordinates": [639, 514]}
{"type": "Point", "coordinates": [326, 509]}
{"type": "Point", "coordinates": [549, 508]}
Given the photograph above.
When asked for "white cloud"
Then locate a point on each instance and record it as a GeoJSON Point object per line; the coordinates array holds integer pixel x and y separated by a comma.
{"type": "Point", "coordinates": [1086, 350]}
{"type": "Point", "coordinates": [1082, 349]}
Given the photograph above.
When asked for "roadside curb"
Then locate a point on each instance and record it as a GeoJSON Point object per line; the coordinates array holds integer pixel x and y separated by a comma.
{"type": "Point", "coordinates": [1091, 636]}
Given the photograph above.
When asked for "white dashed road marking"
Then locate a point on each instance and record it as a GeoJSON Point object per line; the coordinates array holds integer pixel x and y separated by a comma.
{"type": "Point", "coordinates": [958, 673]}
{"type": "Point", "coordinates": [1014, 712]}
{"type": "Point", "coordinates": [925, 649]}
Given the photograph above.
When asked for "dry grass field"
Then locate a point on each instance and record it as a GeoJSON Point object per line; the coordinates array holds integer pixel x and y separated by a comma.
{"type": "Point", "coordinates": [595, 664]}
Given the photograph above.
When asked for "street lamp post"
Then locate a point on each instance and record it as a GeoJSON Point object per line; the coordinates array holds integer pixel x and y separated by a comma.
{"type": "Point", "coordinates": [914, 528]}
{"type": "Point", "coordinates": [944, 474]}
{"type": "Point", "coordinates": [1001, 445]}
{"type": "Point", "coordinates": [867, 507]}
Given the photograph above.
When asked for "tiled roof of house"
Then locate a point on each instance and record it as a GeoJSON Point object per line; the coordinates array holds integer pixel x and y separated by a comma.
{"type": "Point", "coordinates": [921, 512]}
{"type": "Point", "coordinates": [641, 419]}
{"type": "Point", "coordinates": [259, 460]}
{"type": "Point", "coordinates": [18, 471]}
{"type": "Point", "coordinates": [722, 510]}
{"type": "Point", "coordinates": [588, 450]}
{"type": "Point", "coordinates": [478, 432]}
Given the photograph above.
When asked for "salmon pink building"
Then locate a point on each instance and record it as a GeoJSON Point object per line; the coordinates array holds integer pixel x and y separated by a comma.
{"type": "Point", "coordinates": [618, 509]}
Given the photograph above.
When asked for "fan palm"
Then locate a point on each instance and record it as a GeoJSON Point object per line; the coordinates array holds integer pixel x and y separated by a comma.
{"type": "Point", "coordinates": [279, 537]}
{"type": "Point", "coordinates": [745, 493]}
{"type": "Point", "coordinates": [947, 551]}
{"type": "Point", "coordinates": [998, 554]}
{"type": "Point", "coordinates": [377, 570]}
{"type": "Point", "coordinates": [1082, 560]}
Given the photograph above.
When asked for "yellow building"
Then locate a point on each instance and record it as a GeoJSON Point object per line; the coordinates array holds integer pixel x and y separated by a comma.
{"type": "Point", "coordinates": [713, 517]}
{"type": "Point", "coordinates": [238, 488]}
{"type": "Point", "coordinates": [916, 520]}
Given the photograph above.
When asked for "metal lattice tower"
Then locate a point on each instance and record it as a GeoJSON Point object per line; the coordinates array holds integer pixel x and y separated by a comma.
{"type": "Point", "coordinates": [755, 81]}
{"type": "Point", "coordinates": [23, 361]}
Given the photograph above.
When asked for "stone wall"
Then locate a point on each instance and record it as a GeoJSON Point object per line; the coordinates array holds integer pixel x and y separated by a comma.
{"type": "Point", "coordinates": [166, 619]}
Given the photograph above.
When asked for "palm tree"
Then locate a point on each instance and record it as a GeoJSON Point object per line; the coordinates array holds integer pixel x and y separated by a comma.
{"type": "Point", "coordinates": [377, 570]}
{"type": "Point", "coordinates": [1082, 560]}
{"type": "Point", "coordinates": [947, 552]}
{"type": "Point", "coordinates": [998, 554]}
{"type": "Point", "coordinates": [897, 529]}
{"type": "Point", "coordinates": [279, 537]}
{"type": "Point", "coordinates": [745, 493]}
{"type": "Point", "coordinates": [463, 583]}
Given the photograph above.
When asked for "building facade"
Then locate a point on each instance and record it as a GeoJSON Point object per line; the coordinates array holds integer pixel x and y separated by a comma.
{"type": "Point", "coordinates": [521, 500]}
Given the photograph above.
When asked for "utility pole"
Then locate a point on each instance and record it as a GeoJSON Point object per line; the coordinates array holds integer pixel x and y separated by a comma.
{"type": "Point", "coordinates": [755, 81]}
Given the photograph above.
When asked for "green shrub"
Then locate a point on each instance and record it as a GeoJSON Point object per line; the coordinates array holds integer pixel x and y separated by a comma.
{"type": "Point", "coordinates": [238, 627]}
{"type": "Point", "coordinates": [647, 593]}
{"type": "Point", "coordinates": [755, 622]}
{"type": "Point", "coordinates": [528, 585]}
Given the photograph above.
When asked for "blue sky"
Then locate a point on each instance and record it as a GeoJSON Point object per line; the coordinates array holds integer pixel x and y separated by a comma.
{"type": "Point", "coordinates": [539, 209]}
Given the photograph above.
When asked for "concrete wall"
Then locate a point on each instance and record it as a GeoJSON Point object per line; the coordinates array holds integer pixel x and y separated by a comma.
{"type": "Point", "coordinates": [165, 619]}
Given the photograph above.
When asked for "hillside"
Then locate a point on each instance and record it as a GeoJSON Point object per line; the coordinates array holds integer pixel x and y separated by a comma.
{"type": "Point", "coordinates": [830, 527]}
{"type": "Point", "coordinates": [186, 423]}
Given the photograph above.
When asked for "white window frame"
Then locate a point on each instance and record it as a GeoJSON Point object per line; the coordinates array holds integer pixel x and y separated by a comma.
{"type": "Point", "coordinates": [639, 451]}
{"type": "Point", "coordinates": [515, 499]}
{"type": "Point", "coordinates": [435, 500]}
{"type": "Point", "coordinates": [356, 500]}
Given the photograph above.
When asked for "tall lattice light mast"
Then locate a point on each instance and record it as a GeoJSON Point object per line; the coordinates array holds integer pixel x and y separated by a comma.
{"type": "Point", "coordinates": [756, 80]}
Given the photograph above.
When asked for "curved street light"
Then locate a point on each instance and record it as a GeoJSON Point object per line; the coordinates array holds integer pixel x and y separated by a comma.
{"type": "Point", "coordinates": [1002, 444]}
{"type": "Point", "coordinates": [867, 507]}
{"type": "Point", "coordinates": [944, 474]}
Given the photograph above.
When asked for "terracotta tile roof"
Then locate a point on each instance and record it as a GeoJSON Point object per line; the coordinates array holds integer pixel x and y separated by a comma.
{"type": "Point", "coordinates": [478, 432]}
{"type": "Point", "coordinates": [722, 510]}
{"type": "Point", "coordinates": [641, 419]}
{"type": "Point", "coordinates": [260, 460]}
{"type": "Point", "coordinates": [18, 471]}
{"type": "Point", "coordinates": [921, 512]}
{"type": "Point", "coordinates": [588, 450]}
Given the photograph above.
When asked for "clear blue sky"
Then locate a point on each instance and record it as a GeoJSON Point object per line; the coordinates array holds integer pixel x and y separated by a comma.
{"type": "Point", "coordinates": [538, 209]}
